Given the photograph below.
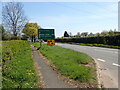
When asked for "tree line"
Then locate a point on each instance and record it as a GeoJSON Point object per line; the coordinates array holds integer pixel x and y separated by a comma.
{"type": "Point", "coordinates": [110, 37]}
{"type": "Point", "coordinates": [86, 34]}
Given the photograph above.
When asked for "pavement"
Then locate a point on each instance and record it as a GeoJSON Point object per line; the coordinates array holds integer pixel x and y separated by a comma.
{"type": "Point", "coordinates": [50, 77]}
{"type": "Point", "coordinates": [107, 60]}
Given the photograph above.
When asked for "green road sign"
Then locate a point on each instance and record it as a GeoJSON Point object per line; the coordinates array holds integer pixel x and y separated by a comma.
{"type": "Point", "coordinates": [46, 34]}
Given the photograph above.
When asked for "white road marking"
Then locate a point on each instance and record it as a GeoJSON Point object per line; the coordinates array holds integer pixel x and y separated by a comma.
{"type": "Point", "coordinates": [101, 60]}
{"type": "Point", "coordinates": [116, 64]}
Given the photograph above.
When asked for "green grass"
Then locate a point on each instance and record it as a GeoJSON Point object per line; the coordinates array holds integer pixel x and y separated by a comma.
{"type": "Point", "coordinates": [18, 66]}
{"type": "Point", "coordinates": [70, 63]}
{"type": "Point", "coordinates": [97, 45]}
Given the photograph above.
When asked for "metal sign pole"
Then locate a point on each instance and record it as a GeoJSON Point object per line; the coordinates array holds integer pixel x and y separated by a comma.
{"type": "Point", "coordinates": [40, 44]}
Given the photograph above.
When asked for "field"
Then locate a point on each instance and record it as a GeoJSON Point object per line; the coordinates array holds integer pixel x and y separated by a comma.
{"type": "Point", "coordinates": [17, 65]}
{"type": "Point", "coordinates": [70, 63]}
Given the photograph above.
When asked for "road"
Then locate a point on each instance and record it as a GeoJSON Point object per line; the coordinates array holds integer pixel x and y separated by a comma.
{"type": "Point", "coordinates": [107, 59]}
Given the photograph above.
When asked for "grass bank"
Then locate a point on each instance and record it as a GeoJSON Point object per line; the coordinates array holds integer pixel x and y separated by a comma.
{"type": "Point", "coordinates": [17, 65]}
{"type": "Point", "coordinates": [70, 63]}
{"type": "Point", "coordinates": [97, 45]}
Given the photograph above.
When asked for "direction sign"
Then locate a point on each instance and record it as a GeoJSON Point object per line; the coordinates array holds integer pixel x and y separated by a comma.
{"type": "Point", "coordinates": [46, 34]}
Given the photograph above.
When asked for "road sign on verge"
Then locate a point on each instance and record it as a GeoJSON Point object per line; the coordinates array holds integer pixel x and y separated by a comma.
{"type": "Point", "coordinates": [46, 34]}
{"type": "Point", "coordinates": [50, 42]}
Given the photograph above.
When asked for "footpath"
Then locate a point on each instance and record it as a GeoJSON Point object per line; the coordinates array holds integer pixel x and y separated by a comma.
{"type": "Point", "coordinates": [49, 76]}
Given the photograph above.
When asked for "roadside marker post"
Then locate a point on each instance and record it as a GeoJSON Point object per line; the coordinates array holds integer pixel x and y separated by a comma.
{"type": "Point", "coordinates": [40, 45]}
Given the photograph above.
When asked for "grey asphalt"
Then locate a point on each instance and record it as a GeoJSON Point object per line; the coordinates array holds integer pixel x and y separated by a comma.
{"type": "Point", "coordinates": [50, 77]}
{"type": "Point", "coordinates": [107, 58]}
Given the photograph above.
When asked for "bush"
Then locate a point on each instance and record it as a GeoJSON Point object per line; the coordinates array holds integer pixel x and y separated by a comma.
{"type": "Point", "coordinates": [107, 40]}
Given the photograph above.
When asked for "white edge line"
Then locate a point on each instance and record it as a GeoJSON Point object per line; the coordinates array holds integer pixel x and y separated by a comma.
{"type": "Point", "coordinates": [116, 64]}
{"type": "Point", "coordinates": [101, 60]}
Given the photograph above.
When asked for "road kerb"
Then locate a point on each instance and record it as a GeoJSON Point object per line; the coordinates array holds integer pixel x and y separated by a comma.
{"type": "Point", "coordinates": [100, 84]}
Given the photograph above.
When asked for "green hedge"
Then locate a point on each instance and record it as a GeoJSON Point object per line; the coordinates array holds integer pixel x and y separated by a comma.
{"type": "Point", "coordinates": [107, 40]}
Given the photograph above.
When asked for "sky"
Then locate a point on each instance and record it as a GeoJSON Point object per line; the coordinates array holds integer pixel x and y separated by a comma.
{"type": "Point", "coordinates": [73, 16]}
{"type": "Point", "coordinates": [0, 12]}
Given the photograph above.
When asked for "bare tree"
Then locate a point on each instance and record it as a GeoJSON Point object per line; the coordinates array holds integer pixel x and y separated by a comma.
{"type": "Point", "coordinates": [13, 17]}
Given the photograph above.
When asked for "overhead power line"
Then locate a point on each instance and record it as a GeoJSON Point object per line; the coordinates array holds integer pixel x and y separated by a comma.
{"type": "Point", "coordinates": [80, 10]}
{"type": "Point", "coordinates": [76, 9]}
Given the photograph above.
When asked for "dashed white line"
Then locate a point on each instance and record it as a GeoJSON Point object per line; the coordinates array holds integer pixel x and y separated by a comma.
{"type": "Point", "coordinates": [105, 61]}
{"type": "Point", "coordinates": [101, 60]}
{"type": "Point", "coordinates": [116, 64]}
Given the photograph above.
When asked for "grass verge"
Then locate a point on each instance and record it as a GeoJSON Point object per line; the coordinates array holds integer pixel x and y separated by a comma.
{"type": "Point", "coordinates": [97, 45]}
{"type": "Point", "coordinates": [70, 63]}
{"type": "Point", "coordinates": [17, 65]}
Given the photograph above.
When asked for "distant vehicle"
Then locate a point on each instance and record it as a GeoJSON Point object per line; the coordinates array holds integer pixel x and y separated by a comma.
{"type": "Point", "coordinates": [42, 41]}
{"type": "Point", "coordinates": [37, 40]}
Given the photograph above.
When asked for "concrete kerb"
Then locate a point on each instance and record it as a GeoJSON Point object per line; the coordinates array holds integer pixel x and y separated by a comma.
{"type": "Point", "coordinates": [100, 83]}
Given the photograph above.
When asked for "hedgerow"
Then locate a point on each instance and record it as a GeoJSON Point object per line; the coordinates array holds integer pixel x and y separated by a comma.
{"type": "Point", "coordinates": [106, 40]}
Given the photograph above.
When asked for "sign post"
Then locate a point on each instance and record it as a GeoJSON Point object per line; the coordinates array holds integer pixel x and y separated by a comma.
{"type": "Point", "coordinates": [47, 34]}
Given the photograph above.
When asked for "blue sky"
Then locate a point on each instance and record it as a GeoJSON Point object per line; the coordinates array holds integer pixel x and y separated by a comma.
{"type": "Point", "coordinates": [73, 16]}
{"type": "Point", "coordinates": [0, 12]}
